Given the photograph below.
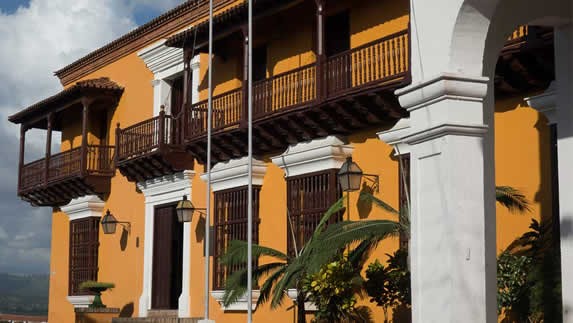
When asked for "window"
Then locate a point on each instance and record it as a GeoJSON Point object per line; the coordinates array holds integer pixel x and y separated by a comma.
{"type": "Point", "coordinates": [83, 253]}
{"type": "Point", "coordinates": [404, 185]}
{"type": "Point", "coordinates": [309, 197]}
{"type": "Point", "coordinates": [231, 224]}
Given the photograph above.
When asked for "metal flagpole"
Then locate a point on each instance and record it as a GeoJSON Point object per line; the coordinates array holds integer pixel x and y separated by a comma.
{"type": "Point", "coordinates": [209, 121]}
{"type": "Point", "coordinates": [250, 166]}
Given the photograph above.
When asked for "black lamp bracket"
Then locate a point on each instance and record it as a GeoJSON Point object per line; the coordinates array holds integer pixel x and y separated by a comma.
{"type": "Point", "coordinates": [374, 180]}
{"type": "Point", "coordinates": [125, 225]}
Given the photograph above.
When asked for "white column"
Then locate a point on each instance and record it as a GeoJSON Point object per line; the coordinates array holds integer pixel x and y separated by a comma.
{"type": "Point", "coordinates": [160, 191]}
{"type": "Point", "coordinates": [161, 90]}
{"type": "Point", "coordinates": [453, 241]}
{"type": "Point", "coordinates": [195, 78]}
{"type": "Point", "coordinates": [564, 80]}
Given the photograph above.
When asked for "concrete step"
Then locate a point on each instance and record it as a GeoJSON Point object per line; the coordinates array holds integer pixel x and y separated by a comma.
{"type": "Point", "coordinates": [154, 320]}
{"type": "Point", "coordinates": [162, 313]}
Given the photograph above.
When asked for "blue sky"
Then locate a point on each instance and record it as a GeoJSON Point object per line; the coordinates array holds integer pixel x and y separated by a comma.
{"type": "Point", "coordinates": [142, 13]}
{"type": "Point", "coordinates": [38, 37]}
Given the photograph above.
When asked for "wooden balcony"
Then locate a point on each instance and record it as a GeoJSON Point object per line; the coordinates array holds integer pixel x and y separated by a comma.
{"type": "Point", "coordinates": [54, 181]}
{"type": "Point", "coordinates": [151, 149]}
{"type": "Point", "coordinates": [353, 91]}
{"type": "Point", "coordinates": [526, 62]}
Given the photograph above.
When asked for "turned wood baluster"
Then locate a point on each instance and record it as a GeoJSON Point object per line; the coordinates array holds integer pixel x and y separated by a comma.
{"type": "Point", "coordinates": [50, 121]}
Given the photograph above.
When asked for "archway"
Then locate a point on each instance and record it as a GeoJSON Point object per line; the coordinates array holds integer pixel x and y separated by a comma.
{"type": "Point", "coordinates": [451, 104]}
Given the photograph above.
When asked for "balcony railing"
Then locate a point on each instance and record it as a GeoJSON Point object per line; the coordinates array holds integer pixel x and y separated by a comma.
{"type": "Point", "coordinates": [145, 137]}
{"type": "Point", "coordinates": [94, 160]}
{"type": "Point", "coordinates": [381, 61]}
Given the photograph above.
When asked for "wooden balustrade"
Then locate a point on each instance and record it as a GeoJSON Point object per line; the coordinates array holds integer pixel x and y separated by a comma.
{"type": "Point", "coordinates": [144, 137]}
{"type": "Point", "coordinates": [378, 61]}
{"type": "Point", "coordinates": [68, 164]}
{"type": "Point", "coordinates": [227, 112]}
{"type": "Point", "coordinates": [382, 60]}
{"type": "Point", "coordinates": [32, 174]}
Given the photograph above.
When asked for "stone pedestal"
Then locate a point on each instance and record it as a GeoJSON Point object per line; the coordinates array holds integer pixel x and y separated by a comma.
{"type": "Point", "coordinates": [96, 315]}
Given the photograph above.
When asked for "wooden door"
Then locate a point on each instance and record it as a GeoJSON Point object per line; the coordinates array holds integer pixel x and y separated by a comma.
{"type": "Point", "coordinates": [167, 258]}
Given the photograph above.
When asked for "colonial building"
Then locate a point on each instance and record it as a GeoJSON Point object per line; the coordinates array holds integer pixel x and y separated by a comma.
{"type": "Point", "coordinates": [408, 90]}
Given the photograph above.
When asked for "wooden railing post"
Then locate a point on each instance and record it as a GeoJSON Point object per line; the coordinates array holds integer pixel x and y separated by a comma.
{"type": "Point", "coordinates": [320, 78]}
{"type": "Point", "coordinates": [50, 121]}
{"type": "Point", "coordinates": [84, 150]}
{"type": "Point", "coordinates": [161, 126]}
{"type": "Point", "coordinates": [117, 143]}
{"type": "Point", "coordinates": [23, 129]}
{"type": "Point", "coordinates": [182, 123]}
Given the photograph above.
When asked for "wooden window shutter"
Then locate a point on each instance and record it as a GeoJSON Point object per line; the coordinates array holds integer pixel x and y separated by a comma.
{"type": "Point", "coordinates": [83, 261]}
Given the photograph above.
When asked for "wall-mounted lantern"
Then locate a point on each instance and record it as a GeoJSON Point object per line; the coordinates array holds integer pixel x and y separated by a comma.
{"type": "Point", "coordinates": [185, 210]}
{"type": "Point", "coordinates": [109, 223]}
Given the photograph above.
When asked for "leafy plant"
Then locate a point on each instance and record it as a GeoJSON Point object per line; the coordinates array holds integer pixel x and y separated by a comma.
{"type": "Point", "coordinates": [389, 286]}
{"type": "Point", "coordinates": [333, 289]}
{"type": "Point", "coordinates": [285, 271]}
{"type": "Point", "coordinates": [512, 284]}
{"type": "Point", "coordinates": [97, 288]}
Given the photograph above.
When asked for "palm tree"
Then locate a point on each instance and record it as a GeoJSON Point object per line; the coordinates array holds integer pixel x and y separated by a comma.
{"type": "Point", "coordinates": [286, 271]}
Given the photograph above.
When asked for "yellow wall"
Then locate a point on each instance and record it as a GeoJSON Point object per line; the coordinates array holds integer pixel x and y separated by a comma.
{"type": "Point", "coordinates": [520, 162]}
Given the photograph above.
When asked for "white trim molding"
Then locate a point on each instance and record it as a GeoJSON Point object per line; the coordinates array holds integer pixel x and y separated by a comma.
{"type": "Point", "coordinates": [234, 173]}
{"type": "Point", "coordinates": [292, 293]}
{"type": "Point", "coordinates": [165, 63]}
{"type": "Point", "coordinates": [546, 103]}
{"type": "Point", "coordinates": [84, 207]}
{"type": "Point", "coordinates": [395, 136]}
{"type": "Point", "coordinates": [313, 156]}
{"type": "Point", "coordinates": [161, 60]}
{"type": "Point", "coordinates": [159, 191]}
{"type": "Point", "coordinates": [81, 301]}
{"type": "Point", "coordinates": [240, 305]}
{"type": "Point", "coordinates": [443, 87]}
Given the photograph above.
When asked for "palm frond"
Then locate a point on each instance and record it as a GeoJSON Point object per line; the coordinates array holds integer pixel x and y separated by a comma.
{"type": "Point", "coordinates": [267, 286]}
{"type": "Point", "coordinates": [292, 275]}
{"type": "Point", "coordinates": [236, 283]}
{"type": "Point", "coordinates": [512, 199]}
{"type": "Point", "coordinates": [236, 253]}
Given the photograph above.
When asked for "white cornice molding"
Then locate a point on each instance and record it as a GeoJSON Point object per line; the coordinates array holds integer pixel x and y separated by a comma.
{"type": "Point", "coordinates": [445, 130]}
{"type": "Point", "coordinates": [240, 305]}
{"type": "Point", "coordinates": [234, 173]}
{"type": "Point", "coordinates": [546, 103]}
{"type": "Point", "coordinates": [161, 60]}
{"type": "Point", "coordinates": [313, 156]}
{"type": "Point", "coordinates": [395, 136]}
{"type": "Point", "coordinates": [442, 87]}
{"type": "Point", "coordinates": [164, 185]}
{"type": "Point", "coordinates": [84, 207]}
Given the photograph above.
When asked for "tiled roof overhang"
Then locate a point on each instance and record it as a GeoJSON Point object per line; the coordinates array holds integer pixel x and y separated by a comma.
{"type": "Point", "coordinates": [226, 22]}
{"type": "Point", "coordinates": [160, 27]}
{"type": "Point", "coordinates": [88, 88]}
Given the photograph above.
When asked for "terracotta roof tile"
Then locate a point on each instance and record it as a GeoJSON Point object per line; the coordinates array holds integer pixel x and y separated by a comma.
{"type": "Point", "coordinates": [71, 93]}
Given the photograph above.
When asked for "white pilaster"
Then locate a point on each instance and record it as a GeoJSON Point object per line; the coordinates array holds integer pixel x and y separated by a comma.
{"type": "Point", "coordinates": [159, 191]}
{"type": "Point", "coordinates": [165, 63]}
{"type": "Point", "coordinates": [195, 78]}
{"type": "Point", "coordinates": [395, 136]}
{"type": "Point", "coordinates": [546, 103]}
{"type": "Point", "coordinates": [161, 95]}
{"type": "Point", "coordinates": [564, 82]}
{"type": "Point", "coordinates": [453, 241]}
{"type": "Point", "coordinates": [313, 156]}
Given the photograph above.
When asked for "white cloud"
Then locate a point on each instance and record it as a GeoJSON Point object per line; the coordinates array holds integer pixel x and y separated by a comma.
{"type": "Point", "coordinates": [34, 42]}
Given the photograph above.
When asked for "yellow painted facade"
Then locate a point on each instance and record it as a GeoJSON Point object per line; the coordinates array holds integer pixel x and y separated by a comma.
{"type": "Point", "coordinates": [521, 161]}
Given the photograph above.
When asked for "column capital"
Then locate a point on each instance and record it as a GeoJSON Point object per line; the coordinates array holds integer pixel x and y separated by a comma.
{"type": "Point", "coordinates": [395, 136]}
{"type": "Point", "coordinates": [443, 87]}
{"type": "Point", "coordinates": [546, 103]}
{"type": "Point", "coordinates": [195, 62]}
